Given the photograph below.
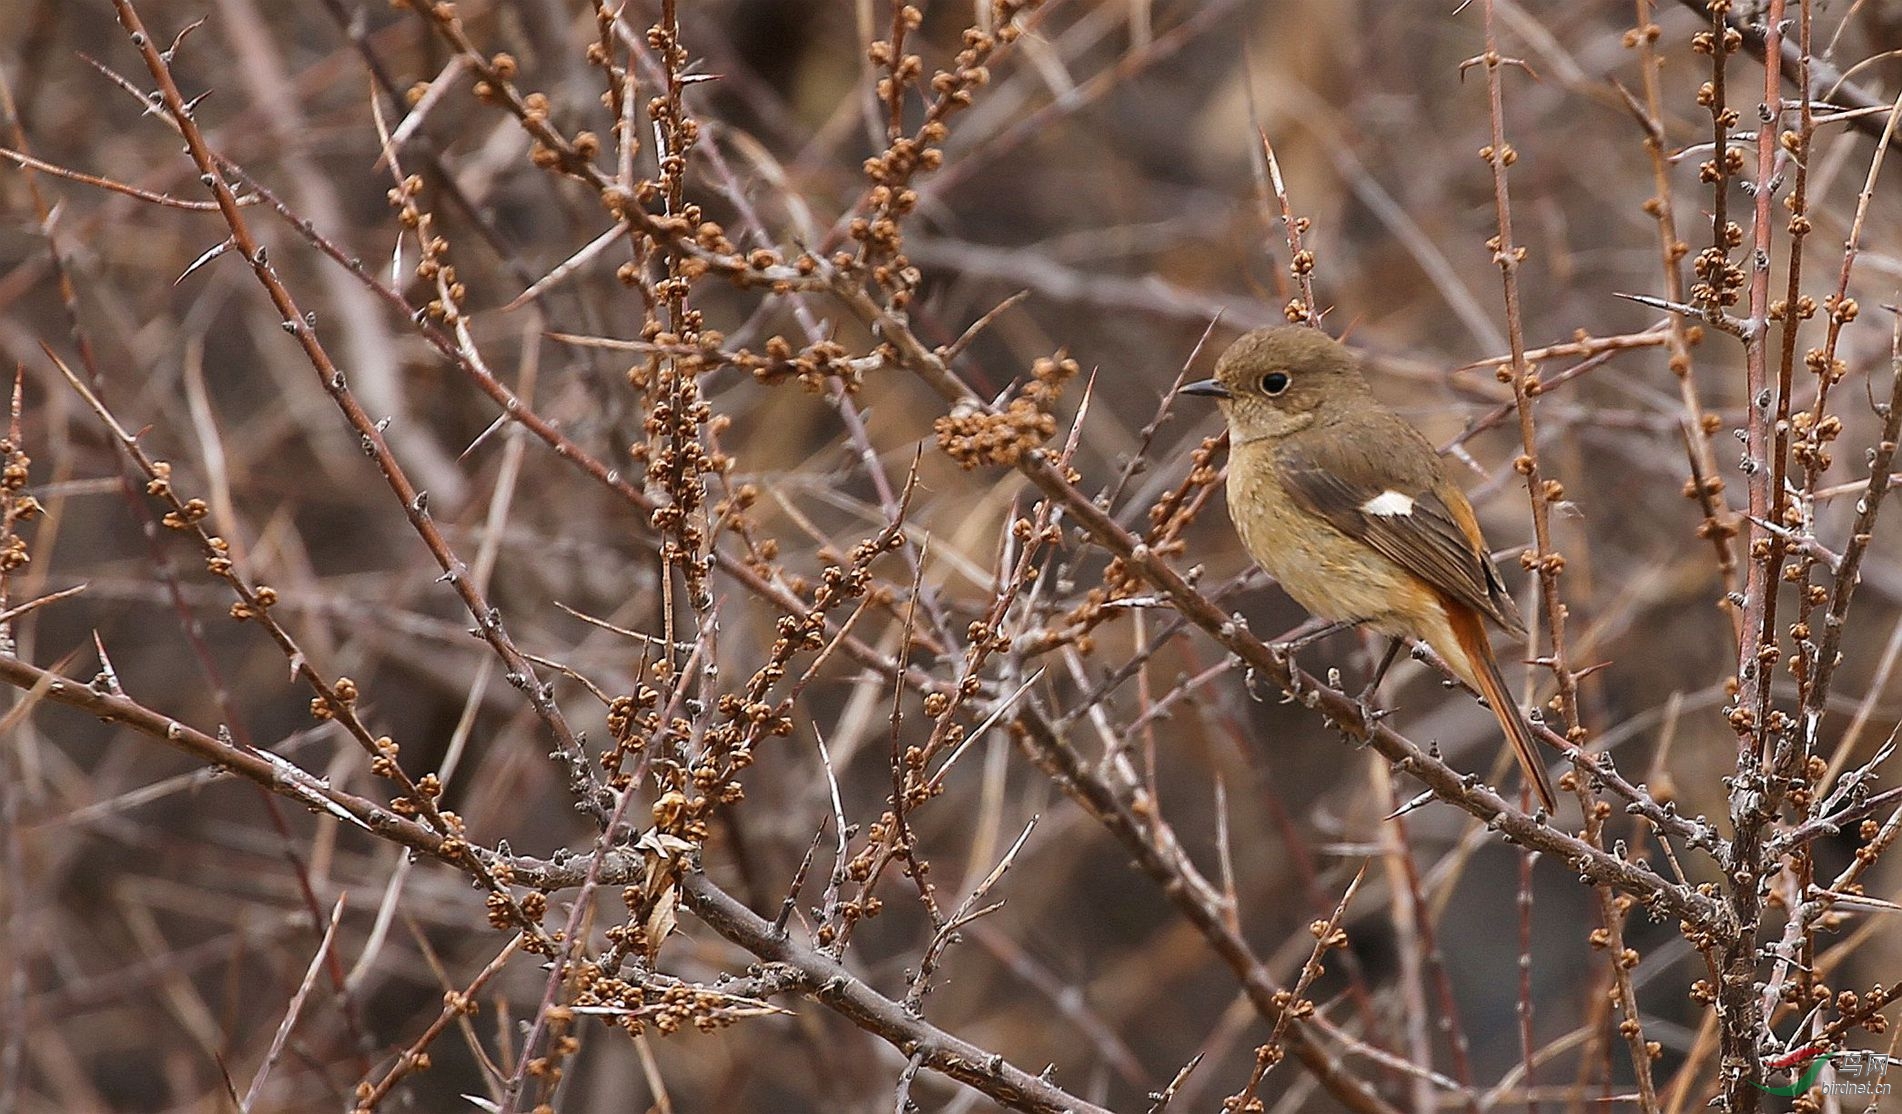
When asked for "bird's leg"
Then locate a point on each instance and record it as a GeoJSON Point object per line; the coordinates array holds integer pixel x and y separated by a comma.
{"type": "Point", "coordinates": [1307, 634]}
{"type": "Point", "coordinates": [1302, 641]}
{"type": "Point", "coordinates": [1394, 646]}
{"type": "Point", "coordinates": [1371, 714]}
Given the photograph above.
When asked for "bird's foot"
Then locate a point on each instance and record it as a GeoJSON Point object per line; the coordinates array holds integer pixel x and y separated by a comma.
{"type": "Point", "coordinates": [1394, 646]}
{"type": "Point", "coordinates": [1370, 715]}
{"type": "Point", "coordinates": [1303, 638]}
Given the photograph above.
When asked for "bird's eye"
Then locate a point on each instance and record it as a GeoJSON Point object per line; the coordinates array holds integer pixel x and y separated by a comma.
{"type": "Point", "coordinates": [1274, 382]}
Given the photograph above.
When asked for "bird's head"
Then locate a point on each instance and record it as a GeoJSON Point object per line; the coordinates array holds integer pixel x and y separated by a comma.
{"type": "Point", "coordinates": [1274, 382]}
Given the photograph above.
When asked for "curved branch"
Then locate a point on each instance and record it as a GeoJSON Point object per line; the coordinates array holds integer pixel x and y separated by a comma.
{"type": "Point", "coordinates": [827, 981]}
{"type": "Point", "coordinates": [1343, 711]}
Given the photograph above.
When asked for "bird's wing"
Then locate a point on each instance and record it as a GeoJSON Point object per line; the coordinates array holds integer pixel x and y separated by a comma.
{"type": "Point", "coordinates": [1361, 485]}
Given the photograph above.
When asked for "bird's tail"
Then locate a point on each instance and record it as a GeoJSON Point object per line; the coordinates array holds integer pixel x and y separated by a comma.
{"type": "Point", "coordinates": [1483, 672]}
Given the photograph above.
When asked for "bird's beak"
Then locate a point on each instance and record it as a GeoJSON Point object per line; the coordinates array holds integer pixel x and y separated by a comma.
{"type": "Point", "coordinates": [1210, 388]}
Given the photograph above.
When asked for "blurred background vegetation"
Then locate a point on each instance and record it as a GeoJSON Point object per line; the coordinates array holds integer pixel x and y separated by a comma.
{"type": "Point", "coordinates": [1111, 170]}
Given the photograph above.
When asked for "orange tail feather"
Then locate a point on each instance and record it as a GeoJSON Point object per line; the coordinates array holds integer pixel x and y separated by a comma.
{"type": "Point", "coordinates": [1483, 671]}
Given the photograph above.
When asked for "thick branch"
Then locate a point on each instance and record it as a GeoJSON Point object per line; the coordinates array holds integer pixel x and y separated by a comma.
{"type": "Point", "coordinates": [1824, 78]}
{"type": "Point", "coordinates": [1342, 710]}
{"type": "Point", "coordinates": [826, 980]}
{"type": "Point", "coordinates": [818, 976]}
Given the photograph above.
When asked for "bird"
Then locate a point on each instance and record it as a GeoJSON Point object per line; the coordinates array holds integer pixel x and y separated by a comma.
{"type": "Point", "coordinates": [1349, 507]}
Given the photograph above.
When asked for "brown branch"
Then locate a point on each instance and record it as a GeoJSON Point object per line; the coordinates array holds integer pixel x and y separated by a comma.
{"type": "Point", "coordinates": [134, 192]}
{"type": "Point", "coordinates": [1753, 800]}
{"type": "Point", "coordinates": [1056, 757]}
{"type": "Point", "coordinates": [818, 976]}
{"type": "Point", "coordinates": [806, 970]}
{"type": "Point", "coordinates": [1342, 710]}
{"type": "Point", "coordinates": [1717, 527]}
{"type": "Point", "coordinates": [274, 774]}
{"type": "Point", "coordinates": [1825, 80]}
{"type": "Point", "coordinates": [414, 503]}
{"type": "Point", "coordinates": [516, 409]}
{"type": "Point", "coordinates": [456, 1006]}
{"type": "Point", "coordinates": [1847, 574]}
{"type": "Point", "coordinates": [336, 699]}
{"type": "Point", "coordinates": [1543, 560]}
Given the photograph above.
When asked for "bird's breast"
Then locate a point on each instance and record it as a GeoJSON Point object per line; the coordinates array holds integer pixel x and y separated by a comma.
{"type": "Point", "coordinates": [1332, 575]}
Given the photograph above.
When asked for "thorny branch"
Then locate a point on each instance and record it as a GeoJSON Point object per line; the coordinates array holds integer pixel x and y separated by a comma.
{"type": "Point", "coordinates": [939, 651]}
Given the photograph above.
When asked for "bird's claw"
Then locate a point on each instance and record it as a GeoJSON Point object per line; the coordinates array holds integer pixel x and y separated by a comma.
{"type": "Point", "coordinates": [1370, 716]}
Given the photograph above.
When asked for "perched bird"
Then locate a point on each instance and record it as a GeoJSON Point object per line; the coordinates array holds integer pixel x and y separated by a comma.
{"type": "Point", "coordinates": [1349, 507]}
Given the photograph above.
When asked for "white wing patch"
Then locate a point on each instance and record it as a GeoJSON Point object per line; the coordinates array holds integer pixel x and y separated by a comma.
{"type": "Point", "coordinates": [1388, 504]}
